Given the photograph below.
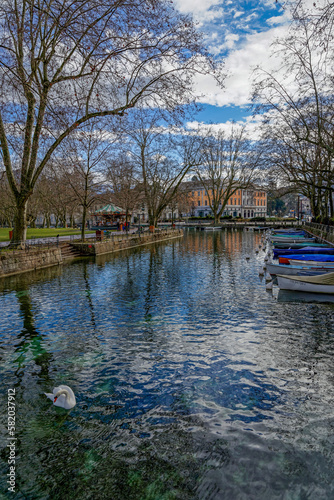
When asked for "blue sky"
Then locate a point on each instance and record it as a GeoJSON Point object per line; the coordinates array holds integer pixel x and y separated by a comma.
{"type": "Point", "coordinates": [239, 32]}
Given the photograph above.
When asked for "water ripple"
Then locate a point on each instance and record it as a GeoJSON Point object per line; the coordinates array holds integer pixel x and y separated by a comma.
{"type": "Point", "coordinates": [191, 380]}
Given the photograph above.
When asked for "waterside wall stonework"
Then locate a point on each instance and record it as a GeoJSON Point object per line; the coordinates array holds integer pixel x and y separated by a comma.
{"type": "Point", "coordinates": [122, 242]}
{"type": "Point", "coordinates": [21, 261]}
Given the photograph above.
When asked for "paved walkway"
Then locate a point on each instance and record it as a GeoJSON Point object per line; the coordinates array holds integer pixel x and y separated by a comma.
{"type": "Point", "coordinates": [53, 239]}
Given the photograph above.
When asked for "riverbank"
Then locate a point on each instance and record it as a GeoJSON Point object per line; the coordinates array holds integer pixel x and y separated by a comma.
{"type": "Point", "coordinates": [118, 242]}
{"type": "Point", "coordinates": [20, 261]}
{"type": "Point", "coordinates": [321, 231]}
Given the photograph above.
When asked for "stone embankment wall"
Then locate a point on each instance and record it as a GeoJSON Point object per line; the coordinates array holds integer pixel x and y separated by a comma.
{"type": "Point", "coordinates": [21, 261]}
{"type": "Point", "coordinates": [122, 242]}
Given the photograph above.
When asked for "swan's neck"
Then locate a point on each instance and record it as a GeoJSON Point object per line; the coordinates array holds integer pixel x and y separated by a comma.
{"type": "Point", "coordinates": [63, 391]}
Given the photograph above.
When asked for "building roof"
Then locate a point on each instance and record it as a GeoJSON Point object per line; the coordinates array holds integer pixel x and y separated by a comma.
{"type": "Point", "coordinates": [110, 209]}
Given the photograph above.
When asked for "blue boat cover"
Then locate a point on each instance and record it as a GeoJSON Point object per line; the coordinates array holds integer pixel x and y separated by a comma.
{"type": "Point", "coordinates": [304, 250]}
{"type": "Point", "coordinates": [312, 256]}
{"type": "Point", "coordinates": [289, 233]}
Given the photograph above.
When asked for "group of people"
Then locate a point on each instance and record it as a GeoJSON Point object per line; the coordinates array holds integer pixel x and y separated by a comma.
{"type": "Point", "coordinates": [123, 226]}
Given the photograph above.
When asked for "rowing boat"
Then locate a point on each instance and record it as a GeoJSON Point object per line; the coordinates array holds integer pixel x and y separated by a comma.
{"type": "Point", "coordinates": [299, 245]}
{"type": "Point", "coordinates": [286, 239]}
{"type": "Point", "coordinates": [302, 262]}
{"type": "Point", "coordinates": [290, 270]}
{"type": "Point", "coordinates": [305, 250]}
{"type": "Point", "coordinates": [314, 284]}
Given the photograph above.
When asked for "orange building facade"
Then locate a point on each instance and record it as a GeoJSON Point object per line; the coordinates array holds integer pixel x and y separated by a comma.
{"type": "Point", "coordinates": [251, 202]}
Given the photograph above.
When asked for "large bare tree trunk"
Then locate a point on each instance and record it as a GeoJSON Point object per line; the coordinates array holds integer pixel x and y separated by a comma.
{"type": "Point", "coordinates": [20, 223]}
{"type": "Point", "coordinates": [152, 220]}
{"type": "Point", "coordinates": [84, 217]}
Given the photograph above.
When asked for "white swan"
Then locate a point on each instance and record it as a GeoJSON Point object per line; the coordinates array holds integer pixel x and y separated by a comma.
{"type": "Point", "coordinates": [62, 396]}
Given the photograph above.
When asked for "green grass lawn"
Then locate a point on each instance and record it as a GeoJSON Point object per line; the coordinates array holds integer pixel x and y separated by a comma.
{"type": "Point", "coordinates": [42, 233]}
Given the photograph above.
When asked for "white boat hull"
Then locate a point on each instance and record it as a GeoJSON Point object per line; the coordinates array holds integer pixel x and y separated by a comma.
{"type": "Point", "coordinates": [286, 283]}
{"type": "Point", "coordinates": [309, 263]}
{"type": "Point", "coordinates": [290, 270]}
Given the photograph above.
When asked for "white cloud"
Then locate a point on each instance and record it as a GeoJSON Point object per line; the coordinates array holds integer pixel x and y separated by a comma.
{"type": "Point", "coordinates": [252, 126]}
{"type": "Point", "coordinates": [276, 20]}
{"type": "Point", "coordinates": [230, 40]}
{"type": "Point", "coordinates": [195, 6]}
{"type": "Point", "coordinates": [250, 17]}
{"type": "Point", "coordinates": [229, 43]}
{"type": "Point", "coordinates": [231, 29]}
{"type": "Point", "coordinates": [239, 65]}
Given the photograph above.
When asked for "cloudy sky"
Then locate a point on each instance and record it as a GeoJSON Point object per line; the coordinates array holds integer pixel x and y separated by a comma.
{"type": "Point", "coordinates": [239, 32]}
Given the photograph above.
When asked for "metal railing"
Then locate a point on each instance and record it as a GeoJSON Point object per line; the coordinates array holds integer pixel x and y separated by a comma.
{"type": "Point", "coordinates": [33, 244]}
{"type": "Point", "coordinates": [125, 235]}
{"type": "Point", "coordinates": [324, 228]}
{"type": "Point", "coordinates": [234, 224]}
{"type": "Point", "coordinates": [28, 246]}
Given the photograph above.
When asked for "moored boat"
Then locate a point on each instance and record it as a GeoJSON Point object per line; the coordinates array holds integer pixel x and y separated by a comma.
{"type": "Point", "coordinates": [306, 250]}
{"type": "Point", "coordinates": [299, 245]}
{"type": "Point", "coordinates": [290, 270]}
{"type": "Point", "coordinates": [300, 262]}
{"type": "Point", "coordinates": [288, 233]}
{"type": "Point", "coordinates": [285, 239]}
{"type": "Point", "coordinates": [313, 284]}
{"type": "Point", "coordinates": [307, 256]}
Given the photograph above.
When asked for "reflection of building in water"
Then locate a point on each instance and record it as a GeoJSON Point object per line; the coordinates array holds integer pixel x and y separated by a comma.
{"type": "Point", "coordinates": [233, 241]}
{"type": "Point", "coordinates": [227, 241]}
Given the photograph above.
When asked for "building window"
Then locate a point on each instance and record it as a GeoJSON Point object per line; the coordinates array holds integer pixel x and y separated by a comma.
{"type": "Point", "coordinates": [199, 193]}
{"type": "Point", "coordinates": [206, 202]}
{"type": "Point", "coordinates": [199, 203]}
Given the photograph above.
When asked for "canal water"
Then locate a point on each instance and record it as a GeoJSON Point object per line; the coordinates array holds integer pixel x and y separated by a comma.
{"type": "Point", "coordinates": [192, 381]}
